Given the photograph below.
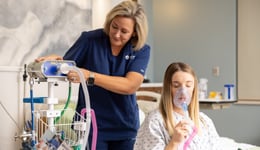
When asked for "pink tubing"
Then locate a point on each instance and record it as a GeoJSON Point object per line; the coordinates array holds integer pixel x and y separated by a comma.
{"type": "Point", "coordinates": [188, 141]}
{"type": "Point", "coordinates": [94, 124]}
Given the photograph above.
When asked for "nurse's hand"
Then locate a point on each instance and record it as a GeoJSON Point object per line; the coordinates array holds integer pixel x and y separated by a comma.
{"type": "Point", "coordinates": [49, 57]}
{"type": "Point", "coordinates": [74, 77]}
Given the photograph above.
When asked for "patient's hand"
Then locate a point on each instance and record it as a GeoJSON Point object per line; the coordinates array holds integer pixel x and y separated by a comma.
{"type": "Point", "coordinates": [49, 57]}
{"type": "Point", "coordinates": [181, 132]}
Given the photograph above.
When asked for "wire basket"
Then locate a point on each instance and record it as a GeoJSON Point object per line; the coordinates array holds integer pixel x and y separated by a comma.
{"type": "Point", "coordinates": [69, 128]}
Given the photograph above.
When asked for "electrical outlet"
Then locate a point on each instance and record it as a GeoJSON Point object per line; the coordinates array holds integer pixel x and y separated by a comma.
{"type": "Point", "coordinates": [215, 71]}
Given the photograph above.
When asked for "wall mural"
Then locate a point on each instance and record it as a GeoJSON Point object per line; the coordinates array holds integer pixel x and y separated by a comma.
{"type": "Point", "coordinates": [31, 28]}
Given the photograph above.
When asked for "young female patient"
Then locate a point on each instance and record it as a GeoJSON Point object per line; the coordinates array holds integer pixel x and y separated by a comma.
{"type": "Point", "coordinates": [178, 124]}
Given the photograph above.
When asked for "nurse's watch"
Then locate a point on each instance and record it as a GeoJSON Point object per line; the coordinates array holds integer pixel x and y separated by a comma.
{"type": "Point", "coordinates": [91, 78]}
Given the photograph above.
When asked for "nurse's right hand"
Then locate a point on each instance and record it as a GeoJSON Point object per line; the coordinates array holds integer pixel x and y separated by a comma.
{"type": "Point", "coordinates": [49, 57]}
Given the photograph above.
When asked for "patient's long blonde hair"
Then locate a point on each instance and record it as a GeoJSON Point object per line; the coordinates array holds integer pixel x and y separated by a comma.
{"type": "Point", "coordinates": [166, 103]}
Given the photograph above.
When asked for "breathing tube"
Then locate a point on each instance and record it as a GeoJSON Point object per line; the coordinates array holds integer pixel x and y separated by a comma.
{"type": "Point", "coordinates": [193, 127]}
{"type": "Point", "coordinates": [182, 99]}
{"type": "Point", "coordinates": [66, 105]}
{"type": "Point", "coordinates": [65, 68]}
{"type": "Point", "coordinates": [94, 124]}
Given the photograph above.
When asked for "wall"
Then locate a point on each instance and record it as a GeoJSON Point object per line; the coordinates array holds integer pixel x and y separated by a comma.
{"type": "Point", "coordinates": [148, 6]}
{"type": "Point", "coordinates": [30, 29]}
{"type": "Point", "coordinates": [201, 33]}
{"type": "Point", "coordinates": [10, 98]}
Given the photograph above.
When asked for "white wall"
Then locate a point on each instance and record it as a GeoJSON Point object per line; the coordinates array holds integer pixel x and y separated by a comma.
{"type": "Point", "coordinates": [10, 97]}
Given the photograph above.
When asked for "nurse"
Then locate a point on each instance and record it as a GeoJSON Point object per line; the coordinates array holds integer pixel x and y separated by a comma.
{"type": "Point", "coordinates": [114, 60]}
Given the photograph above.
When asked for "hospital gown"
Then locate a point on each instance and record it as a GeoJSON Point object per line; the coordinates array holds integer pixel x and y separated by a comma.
{"type": "Point", "coordinates": [153, 135]}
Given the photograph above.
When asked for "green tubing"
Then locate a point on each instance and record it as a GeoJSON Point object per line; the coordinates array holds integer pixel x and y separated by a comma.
{"type": "Point", "coordinates": [77, 147]}
{"type": "Point", "coordinates": [66, 105]}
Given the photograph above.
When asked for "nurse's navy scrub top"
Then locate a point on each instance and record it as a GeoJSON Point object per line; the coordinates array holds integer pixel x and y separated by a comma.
{"type": "Point", "coordinates": [117, 115]}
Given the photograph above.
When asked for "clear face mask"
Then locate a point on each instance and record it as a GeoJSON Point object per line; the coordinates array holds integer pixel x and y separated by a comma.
{"type": "Point", "coordinates": [182, 99]}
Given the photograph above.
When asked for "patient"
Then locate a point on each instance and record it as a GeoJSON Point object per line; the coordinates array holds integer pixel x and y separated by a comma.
{"type": "Point", "coordinates": [178, 124]}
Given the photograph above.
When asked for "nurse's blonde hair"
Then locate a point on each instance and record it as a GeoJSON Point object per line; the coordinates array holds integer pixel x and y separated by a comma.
{"type": "Point", "coordinates": [166, 102]}
{"type": "Point", "coordinates": [134, 10]}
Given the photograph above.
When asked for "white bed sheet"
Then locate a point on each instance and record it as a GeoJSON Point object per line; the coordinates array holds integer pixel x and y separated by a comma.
{"type": "Point", "coordinates": [230, 144]}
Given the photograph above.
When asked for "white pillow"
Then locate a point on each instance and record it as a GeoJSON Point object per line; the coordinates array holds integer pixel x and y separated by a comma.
{"type": "Point", "coordinates": [141, 116]}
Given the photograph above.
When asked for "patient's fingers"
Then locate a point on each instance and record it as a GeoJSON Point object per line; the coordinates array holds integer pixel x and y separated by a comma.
{"type": "Point", "coordinates": [180, 131]}
{"type": "Point", "coordinates": [184, 124]}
